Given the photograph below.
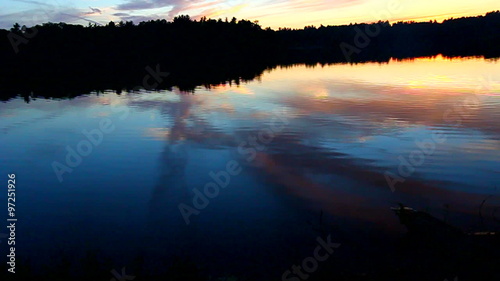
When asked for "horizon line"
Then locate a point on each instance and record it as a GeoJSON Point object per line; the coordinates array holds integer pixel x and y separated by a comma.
{"type": "Point", "coordinates": [423, 19]}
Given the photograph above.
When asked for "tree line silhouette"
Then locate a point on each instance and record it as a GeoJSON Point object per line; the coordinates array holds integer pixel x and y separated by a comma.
{"type": "Point", "coordinates": [64, 60]}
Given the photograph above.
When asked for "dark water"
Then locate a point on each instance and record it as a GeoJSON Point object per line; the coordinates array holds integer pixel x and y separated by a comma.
{"type": "Point", "coordinates": [310, 147]}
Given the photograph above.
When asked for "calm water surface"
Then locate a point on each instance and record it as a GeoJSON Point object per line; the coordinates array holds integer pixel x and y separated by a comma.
{"type": "Point", "coordinates": [339, 130]}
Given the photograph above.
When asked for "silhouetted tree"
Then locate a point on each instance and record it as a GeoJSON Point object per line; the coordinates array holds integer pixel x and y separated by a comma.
{"type": "Point", "coordinates": [206, 51]}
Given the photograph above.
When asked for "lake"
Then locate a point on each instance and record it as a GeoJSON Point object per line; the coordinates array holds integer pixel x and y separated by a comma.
{"type": "Point", "coordinates": [242, 180]}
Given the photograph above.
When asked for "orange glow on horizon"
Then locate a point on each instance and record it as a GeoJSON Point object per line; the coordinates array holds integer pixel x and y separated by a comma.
{"type": "Point", "coordinates": [437, 73]}
{"type": "Point", "coordinates": [299, 13]}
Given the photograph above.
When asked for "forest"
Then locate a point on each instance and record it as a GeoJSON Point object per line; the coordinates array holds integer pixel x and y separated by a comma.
{"type": "Point", "coordinates": [64, 60]}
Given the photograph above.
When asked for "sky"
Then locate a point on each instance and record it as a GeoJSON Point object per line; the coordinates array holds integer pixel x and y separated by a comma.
{"type": "Point", "coordinates": [269, 13]}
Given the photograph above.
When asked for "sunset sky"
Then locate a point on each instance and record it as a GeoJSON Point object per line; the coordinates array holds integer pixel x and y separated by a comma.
{"type": "Point", "coordinates": [279, 13]}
